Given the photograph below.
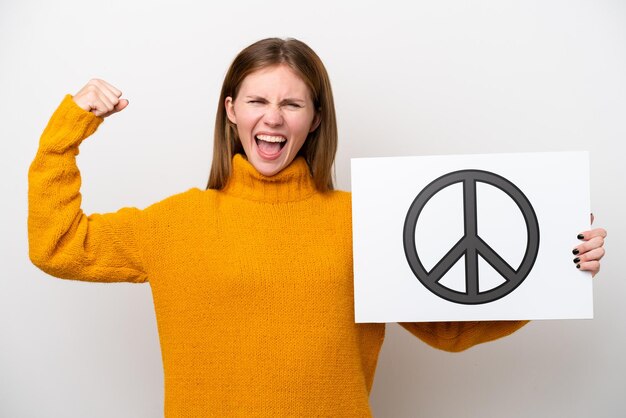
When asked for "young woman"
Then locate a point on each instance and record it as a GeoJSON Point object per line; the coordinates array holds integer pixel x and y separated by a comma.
{"type": "Point", "coordinates": [252, 277]}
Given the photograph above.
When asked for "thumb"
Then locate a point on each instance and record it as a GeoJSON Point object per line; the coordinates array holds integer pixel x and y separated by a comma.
{"type": "Point", "coordinates": [121, 105]}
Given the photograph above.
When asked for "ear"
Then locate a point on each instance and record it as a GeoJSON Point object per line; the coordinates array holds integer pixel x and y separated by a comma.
{"type": "Point", "coordinates": [316, 121]}
{"type": "Point", "coordinates": [230, 109]}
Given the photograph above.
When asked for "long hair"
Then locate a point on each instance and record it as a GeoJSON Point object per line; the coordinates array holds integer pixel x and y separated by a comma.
{"type": "Point", "coordinates": [320, 146]}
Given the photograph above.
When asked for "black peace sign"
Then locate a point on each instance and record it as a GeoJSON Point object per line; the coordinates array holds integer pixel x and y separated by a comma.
{"type": "Point", "coordinates": [471, 245]}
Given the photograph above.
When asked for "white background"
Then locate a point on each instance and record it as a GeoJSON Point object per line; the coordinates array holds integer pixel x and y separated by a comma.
{"type": "Point", "coordinates": [387, 290]}
{"type": "Point", "coordinates": [410, 78]}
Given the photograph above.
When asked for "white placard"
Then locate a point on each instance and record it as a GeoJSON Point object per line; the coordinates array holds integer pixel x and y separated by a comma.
{"type": "Point", "coordinates": [470, 237]}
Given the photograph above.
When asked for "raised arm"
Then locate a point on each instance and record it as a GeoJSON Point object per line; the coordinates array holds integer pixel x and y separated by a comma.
{"type": "Point", "coordinates": [63, 241]}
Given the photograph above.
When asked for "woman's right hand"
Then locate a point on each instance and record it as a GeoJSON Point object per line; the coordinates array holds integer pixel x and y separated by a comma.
{"type": "Point", "coordinates": [100, 98]}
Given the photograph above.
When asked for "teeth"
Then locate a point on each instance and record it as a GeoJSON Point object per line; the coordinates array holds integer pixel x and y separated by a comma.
{"type": "Point", "coordinates": [269, 138]}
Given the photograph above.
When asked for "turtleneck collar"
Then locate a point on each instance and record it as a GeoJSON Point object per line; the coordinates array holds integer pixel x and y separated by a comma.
{"type": "Point", "coordinates": [293, 183]}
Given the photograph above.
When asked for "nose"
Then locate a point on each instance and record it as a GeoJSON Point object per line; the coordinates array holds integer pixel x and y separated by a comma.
{"type": "Point", "coordinates": [273, 116]}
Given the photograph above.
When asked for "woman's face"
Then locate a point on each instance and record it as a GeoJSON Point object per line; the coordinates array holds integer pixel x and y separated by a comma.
{"type": "Point", "coordinates": [274, 113]}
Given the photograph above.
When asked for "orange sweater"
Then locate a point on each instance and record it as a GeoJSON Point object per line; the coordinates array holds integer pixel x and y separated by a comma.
{"type": "Point", "coordinates": [252, 285]}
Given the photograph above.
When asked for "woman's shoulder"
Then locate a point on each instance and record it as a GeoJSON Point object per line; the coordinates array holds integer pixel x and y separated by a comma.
{"type": "Point", "coordinates": [342, 195]}
{"type": "Point", "coordinates": [337, 195]}
{"type": "Point", "coordinates": [340, 199]}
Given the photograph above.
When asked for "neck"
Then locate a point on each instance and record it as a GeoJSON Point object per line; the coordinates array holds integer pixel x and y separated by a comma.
{"type": "Point", "coordinates": [293, 183]}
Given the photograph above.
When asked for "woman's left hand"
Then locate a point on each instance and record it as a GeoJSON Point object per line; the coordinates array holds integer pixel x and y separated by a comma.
{"type": "Point", "coordinates": [588, 254]}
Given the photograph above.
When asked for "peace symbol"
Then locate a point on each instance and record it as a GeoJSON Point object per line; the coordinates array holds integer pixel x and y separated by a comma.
{"type": "Point", "coordinates": [471, 245]}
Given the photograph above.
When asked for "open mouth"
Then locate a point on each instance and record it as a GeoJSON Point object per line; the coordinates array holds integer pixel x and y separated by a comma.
{"type": "Point", "coordinates": [270, 145]}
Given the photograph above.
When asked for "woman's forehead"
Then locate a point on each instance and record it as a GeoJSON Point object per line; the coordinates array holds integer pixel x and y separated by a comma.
{"type": "Point", "coordinates": [276, 80]}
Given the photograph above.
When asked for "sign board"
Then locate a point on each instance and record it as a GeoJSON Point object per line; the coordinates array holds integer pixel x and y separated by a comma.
{"type": "Point", "coordinates": [470, 237]}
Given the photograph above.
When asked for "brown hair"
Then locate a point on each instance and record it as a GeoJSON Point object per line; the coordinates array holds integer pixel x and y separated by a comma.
{"type": "Point", "coordinates": [320, 147]}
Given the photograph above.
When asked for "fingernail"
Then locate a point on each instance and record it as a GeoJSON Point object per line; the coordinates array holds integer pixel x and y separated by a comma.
{"type": "Point", "coordinates": [577, 266]}
{"type": "Point", "coordinates": [576, 260]}
{"type": "Point", "coordinates": [575, 251]}
{"type": "Point", "coordinates": [581, 236]}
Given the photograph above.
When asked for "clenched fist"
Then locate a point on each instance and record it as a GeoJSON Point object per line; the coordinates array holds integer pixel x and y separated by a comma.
{"type": "Point", "coordinates": [100, 98]}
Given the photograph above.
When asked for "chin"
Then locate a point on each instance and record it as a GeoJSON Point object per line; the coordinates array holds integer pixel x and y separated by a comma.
{"type": "Point", "coordinates": [268, 169]}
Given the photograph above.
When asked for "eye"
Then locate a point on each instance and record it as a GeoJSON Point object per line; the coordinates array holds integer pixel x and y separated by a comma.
{"type": "Point", "coordinates": [256, 100]}
{"type": "Point", "coordinates": [293, 105]}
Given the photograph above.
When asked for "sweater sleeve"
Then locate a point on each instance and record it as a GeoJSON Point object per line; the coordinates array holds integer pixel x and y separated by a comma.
{"type": "Point", "coordinates": [62, 240]}
{"type": "Point", "coordinates": [459, 336]}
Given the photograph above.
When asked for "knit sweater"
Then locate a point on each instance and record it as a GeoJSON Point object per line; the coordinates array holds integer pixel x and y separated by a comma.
{"type": "Point", "coordinates": [252, 284]}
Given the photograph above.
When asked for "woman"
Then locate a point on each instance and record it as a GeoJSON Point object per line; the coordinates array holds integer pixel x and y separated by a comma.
{"type": "Point", "coordinates": [251, 278]}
